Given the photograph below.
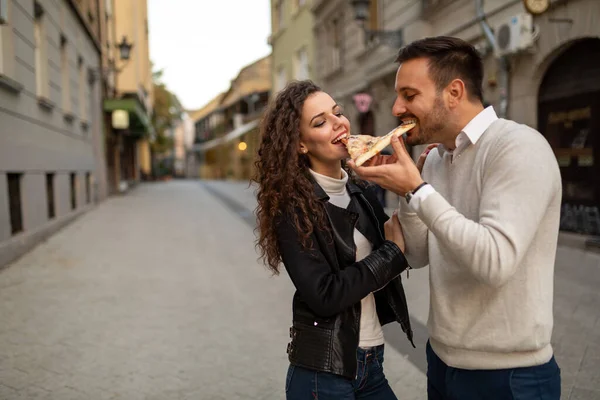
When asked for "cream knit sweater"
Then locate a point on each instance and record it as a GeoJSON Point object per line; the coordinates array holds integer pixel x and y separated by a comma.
{"type": "Point", "coordinates": [489, 234]}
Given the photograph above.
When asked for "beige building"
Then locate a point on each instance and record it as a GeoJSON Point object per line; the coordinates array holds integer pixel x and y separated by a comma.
{"type": "Point", "coordinates": [227, 135]}
{"type": "Point", "coordinates": [128, 97]}
{"type": "Point", "coordinates": [552, 82]}
{"type": "Point", "coordinates": [292, 41]}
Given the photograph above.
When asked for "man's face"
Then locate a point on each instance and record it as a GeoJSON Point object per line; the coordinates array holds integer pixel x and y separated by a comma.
{"type": "Point", "coordinates": [417, 97]}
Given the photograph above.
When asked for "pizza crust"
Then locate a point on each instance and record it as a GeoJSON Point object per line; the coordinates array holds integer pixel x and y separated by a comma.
{"type": "Point", "coordinates": [375, 148]}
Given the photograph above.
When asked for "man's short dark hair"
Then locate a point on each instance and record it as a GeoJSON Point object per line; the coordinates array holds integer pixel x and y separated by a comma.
{"type": "Point", "coordinates": [449, 58]}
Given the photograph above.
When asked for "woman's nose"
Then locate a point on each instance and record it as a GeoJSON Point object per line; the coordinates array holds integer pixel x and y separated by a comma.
{"type": "Point", "coordinates": [337, 122]}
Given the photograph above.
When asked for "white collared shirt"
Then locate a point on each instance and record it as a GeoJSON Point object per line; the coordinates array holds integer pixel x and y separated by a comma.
{"type": "Point", "coordinates": [469, 135]}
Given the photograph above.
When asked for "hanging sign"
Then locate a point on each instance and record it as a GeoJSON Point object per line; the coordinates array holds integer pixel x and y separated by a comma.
{"type": "Point", "coordinates": [362, 101]}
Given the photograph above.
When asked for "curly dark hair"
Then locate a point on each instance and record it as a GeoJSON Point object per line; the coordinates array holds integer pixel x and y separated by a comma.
{"type": "Point", "coordinates": [285, 185]}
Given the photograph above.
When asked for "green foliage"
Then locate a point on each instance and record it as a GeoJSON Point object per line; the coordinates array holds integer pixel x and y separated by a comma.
{"type": "Point", "coordinates": [167, 111]}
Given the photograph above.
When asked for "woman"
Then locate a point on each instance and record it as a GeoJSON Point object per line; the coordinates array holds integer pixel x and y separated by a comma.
{"type": "Point", "coordinates": [329, 233]}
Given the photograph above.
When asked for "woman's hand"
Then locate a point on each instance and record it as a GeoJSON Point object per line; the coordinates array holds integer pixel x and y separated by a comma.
{"type": "Point", "coordinates": [423, 156]}
{"type": "Point", "coordinates": [393, 231]}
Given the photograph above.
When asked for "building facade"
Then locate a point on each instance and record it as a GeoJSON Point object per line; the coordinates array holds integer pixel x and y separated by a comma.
{"type": "Point", "coordinates": [552, 84]}
{"type": "Point", "coordinates": [227, 136]}
{"type": "Point", "coordinates": [128, 93]}
{"type": "Point", "coordinates": [292, 41]}
{"type": "Point", "coordinates": [52, 165]}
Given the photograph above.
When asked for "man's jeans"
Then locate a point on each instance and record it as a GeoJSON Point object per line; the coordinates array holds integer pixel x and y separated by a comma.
{"type": "Point", "coordinates": [541, 382]}
{"type": "Point", "coordinates": [370, 383]}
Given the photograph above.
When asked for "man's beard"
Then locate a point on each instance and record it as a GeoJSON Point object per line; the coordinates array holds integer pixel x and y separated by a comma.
{"type": "Point", "coordinates": [434, 123]}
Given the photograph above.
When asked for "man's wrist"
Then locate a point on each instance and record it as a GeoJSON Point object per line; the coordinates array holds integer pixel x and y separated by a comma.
{"type": "Point", "coordinates": [415, 187]}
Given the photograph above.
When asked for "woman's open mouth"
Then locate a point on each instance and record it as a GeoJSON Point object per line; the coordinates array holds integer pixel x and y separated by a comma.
{"type": "Point", "coordinates": [340, 138]}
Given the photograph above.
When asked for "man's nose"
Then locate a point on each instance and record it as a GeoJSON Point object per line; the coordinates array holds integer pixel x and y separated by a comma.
{"type": "Point", "coordinates": [399, 107]}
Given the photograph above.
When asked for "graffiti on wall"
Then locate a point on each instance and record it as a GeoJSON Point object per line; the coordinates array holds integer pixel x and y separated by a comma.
{"type": "Point", "coordinates": [581, 219]}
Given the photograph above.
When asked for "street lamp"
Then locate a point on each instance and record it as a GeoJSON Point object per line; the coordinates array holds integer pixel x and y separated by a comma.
{"type": "Point", "coordinates": [124, 48]}
{"type": "Point", "coordinates": [361, 15]}
{"type": "Point", "coordinates": [124, 55]}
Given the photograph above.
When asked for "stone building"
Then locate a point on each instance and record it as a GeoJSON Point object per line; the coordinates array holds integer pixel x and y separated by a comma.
{"type": "Point", "coordinates": [540, 69]}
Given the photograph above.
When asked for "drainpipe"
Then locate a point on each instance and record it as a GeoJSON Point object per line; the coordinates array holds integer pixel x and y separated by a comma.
{"type": "Point", "coordinates": [503, 66]}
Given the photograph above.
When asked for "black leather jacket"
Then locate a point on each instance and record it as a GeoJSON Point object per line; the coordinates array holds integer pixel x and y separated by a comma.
{"type": "Point", "coordinates": [330, 284]}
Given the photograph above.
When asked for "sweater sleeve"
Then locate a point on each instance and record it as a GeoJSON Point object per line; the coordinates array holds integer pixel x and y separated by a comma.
{"type": "Point", "coordinates": [415, 236]}
{"type": "Point", "coordinates": [520, 178]}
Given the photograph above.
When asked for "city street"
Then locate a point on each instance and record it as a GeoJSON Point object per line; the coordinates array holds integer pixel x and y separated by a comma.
{"type": "Point", "coordinates": [158, 294]}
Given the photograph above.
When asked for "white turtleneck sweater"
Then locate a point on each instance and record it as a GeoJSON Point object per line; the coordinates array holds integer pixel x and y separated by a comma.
{"type": "Point", "coordinates": [371, 333]}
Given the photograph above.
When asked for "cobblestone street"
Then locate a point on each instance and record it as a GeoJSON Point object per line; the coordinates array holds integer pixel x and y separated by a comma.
{"type": "Point", "coordinates": [158, 294]}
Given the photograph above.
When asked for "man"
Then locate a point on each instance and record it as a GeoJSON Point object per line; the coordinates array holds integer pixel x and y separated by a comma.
{"type": "Point", "coordinates": [484, 216]}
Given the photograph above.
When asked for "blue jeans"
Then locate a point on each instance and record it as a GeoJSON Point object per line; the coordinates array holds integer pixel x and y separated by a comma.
{"type": "Point", "coordinates": [370, 383]}
{"type": "Point", "coordinates": [541, 382]}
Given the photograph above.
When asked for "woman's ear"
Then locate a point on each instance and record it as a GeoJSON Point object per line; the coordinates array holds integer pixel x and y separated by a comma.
{"type": "Point", "coordinates": [303, 149]}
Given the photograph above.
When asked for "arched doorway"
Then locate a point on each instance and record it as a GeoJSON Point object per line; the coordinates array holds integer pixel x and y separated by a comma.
{"type": "Point", "coordinates": [366, 122]}
{"type": "Point", "coordinates": [569, 118]}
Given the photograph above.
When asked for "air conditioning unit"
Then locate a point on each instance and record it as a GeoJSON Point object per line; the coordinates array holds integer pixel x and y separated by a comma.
{"type": "Point", "coordinates": [514, 34]}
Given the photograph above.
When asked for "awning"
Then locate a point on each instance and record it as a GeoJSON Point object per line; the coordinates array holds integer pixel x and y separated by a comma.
{"type": "Point", "coordinates": [139, 119]}
{"type": "Point", "coordinates": [211, 144]}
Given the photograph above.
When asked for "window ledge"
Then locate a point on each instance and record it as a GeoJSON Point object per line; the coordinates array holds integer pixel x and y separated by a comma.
{"type": "Point", "coordinates": [368, 49]}
{"type": "Point", "coordinates": [332, 72]}
{"type": "Point", "coordinates": [10, 84]}
{"type": "Point", "coordinates": [45, 103]}
{"type": "Point", "coordinates": [69, 117]}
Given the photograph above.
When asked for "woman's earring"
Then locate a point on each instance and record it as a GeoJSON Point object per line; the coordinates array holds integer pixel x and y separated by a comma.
{"type": "Point", "coordinates": [304, 151]}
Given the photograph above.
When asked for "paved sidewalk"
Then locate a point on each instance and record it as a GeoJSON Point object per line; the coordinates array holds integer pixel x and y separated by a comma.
{"type": "Point", "coordinates": [155, 295]}
{"type": "Point", "coordinates": [576, 336]}
{"type": "Point", "coordinates": [158, 295]}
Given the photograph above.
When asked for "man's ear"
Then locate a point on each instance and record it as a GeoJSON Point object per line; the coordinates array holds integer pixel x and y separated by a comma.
{"type": "Point", "coordinates": [456, 92]}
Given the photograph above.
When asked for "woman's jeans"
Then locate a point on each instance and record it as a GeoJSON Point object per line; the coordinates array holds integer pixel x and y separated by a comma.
{"type": "Point", "coordinates": [370, 383]}
{"type": "Point", "coordinates": [541, 382]}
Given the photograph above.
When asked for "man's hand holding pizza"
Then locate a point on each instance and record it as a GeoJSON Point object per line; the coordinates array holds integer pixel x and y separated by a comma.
{"type": "Point", "coordinates": [397, 172]}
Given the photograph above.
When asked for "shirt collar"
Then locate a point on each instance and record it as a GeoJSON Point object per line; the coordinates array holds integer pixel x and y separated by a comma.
{"type": "Point", "coordinates": [474, 129]}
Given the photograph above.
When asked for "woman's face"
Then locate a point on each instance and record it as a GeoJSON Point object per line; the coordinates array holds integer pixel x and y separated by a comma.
{"type": "Point", "coordinates": [322, 125]}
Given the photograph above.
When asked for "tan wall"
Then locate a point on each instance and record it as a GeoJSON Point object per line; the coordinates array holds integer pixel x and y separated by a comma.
{"type": "Point", "coordinates": [131, 20]}
{"type": "Point", "coordinates": [143, 156]}
{"type": "Point", "coordinates": [287, 41]}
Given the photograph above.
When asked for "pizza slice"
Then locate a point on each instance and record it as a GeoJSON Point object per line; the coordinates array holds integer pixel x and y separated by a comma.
{"type": "Point", "coordinates": [363, 147]}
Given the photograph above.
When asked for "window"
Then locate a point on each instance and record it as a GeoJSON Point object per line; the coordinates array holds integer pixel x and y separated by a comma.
{"type": "Point", "coordinates": [73, 186]}
{"type": "Point", "coordinates": [301, 64]}
{"type": "Point", "coordinates": [281, 79]}
{"type": "Point", "coordinates": [41, 59]}
{"type": "Point", "coordinates": [14, 200]}
{"type": "Point", "coordinates": [64, 71]}
{"type": "Point", "coordinates": [50, 195]}
{"type": "Point", "coordinates": [7, 50]}
{"type": "Point", "coordinates": [3, 11]}
{"type": "Point", "coordinates": [375, 17]}
{"type": "Point", "coordinates": [278, 16]}
{"type": "Point", "coordinates": [374, 14]}
{"type": "Point", "coordinates": [336, 44]}
{"type": "Point", "coordinates": [82, 92]}
{"type": "Point", "coordinates": [297, 4]}
{"type": "Point", "coordinates": [88, 188]}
